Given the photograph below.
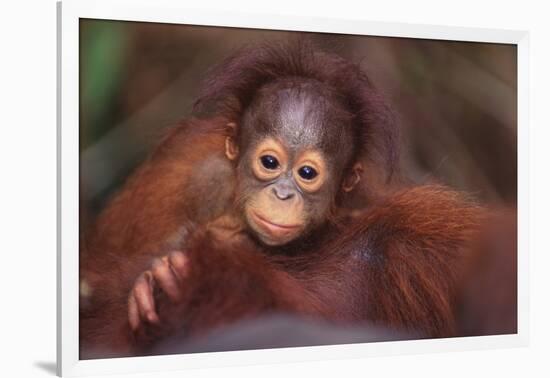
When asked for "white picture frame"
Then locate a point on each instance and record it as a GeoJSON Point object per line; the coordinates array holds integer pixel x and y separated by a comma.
{"type": "Point", "coordinates": [69, 13]}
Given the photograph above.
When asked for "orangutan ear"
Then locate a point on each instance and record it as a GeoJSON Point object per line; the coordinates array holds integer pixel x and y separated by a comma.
{"type": "Point", "coordinates": [352, 178]}
{"type": "Point", "coordinates": [231, 148]}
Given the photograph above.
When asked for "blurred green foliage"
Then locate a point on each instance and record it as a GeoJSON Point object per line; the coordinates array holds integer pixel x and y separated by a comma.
{"type": "Point", "coordinates": [102, 56]}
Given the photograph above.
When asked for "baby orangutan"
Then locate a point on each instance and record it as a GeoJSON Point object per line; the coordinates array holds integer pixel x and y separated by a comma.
{"type": "Point", "coordinates": [279, 203]}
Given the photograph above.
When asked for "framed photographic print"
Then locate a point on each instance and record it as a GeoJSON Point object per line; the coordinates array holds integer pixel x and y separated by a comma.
{"type": "Point", "coordinates": [240, 189]}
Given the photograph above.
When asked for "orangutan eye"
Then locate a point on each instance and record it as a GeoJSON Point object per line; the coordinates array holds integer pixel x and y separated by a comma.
{"type": "Point", "coordinates": [269, 162]}
{"type": "Point", "coordinates": [307, 173]}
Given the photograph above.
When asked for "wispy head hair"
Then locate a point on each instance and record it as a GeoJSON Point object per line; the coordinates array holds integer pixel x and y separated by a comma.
{"type": "Point", "coordinates": [231, 86]}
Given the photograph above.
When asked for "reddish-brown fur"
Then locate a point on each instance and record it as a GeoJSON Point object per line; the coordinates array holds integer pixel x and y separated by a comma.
{"type": "Point", "coordinates": [142, 222]}
{"type": "Point", "coordinates": [394, 262]}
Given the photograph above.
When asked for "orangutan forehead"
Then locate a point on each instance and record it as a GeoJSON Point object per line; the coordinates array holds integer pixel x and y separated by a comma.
{"type": "Point", "coordinates": [300, 119]}
{"type": "Point", "coordinates": [303, 115]}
